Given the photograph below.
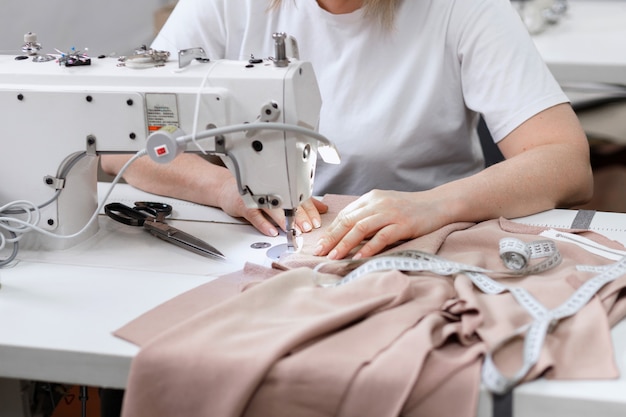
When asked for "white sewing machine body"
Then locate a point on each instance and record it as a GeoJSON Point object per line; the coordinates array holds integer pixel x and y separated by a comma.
{"type": "Point", "coordinates": [51, 112]}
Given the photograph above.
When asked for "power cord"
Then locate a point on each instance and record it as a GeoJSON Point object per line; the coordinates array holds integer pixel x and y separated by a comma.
{"type": "Point", "coordinates": [13, 229]}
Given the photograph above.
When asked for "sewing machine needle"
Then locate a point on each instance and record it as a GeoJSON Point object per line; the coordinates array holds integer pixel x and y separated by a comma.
{"type": "Point", "coordinates": [292, 244]}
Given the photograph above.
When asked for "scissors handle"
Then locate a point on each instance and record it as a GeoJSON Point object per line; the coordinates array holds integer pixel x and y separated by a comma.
{"type": "Point", "coordinates": [124, 214]}
{"type": "Point", "coordinates": [137, 215]}
{"type": "Point", "coordinates": [158, 210]}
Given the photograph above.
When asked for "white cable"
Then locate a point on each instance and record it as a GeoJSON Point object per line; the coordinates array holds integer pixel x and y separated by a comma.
{"type": "Point", "coordinates": [196, 114]}
{"type": "Point", "coordinates": [26, 207]}
{"type": "Point", "coordinates": [33, 213]}
{"type": "Point", "coordinates": [254, 126]}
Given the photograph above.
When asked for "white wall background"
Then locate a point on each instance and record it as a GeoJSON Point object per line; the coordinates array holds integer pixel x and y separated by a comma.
{"type": "Point", "coordinates": [103, 26]}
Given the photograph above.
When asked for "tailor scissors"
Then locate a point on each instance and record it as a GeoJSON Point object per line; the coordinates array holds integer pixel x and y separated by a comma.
{"type": "Point", "coordinates": [151, 216]}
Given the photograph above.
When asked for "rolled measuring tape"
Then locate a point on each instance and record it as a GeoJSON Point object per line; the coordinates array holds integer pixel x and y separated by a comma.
{"type": "Point", "coordinates": [514, 253]}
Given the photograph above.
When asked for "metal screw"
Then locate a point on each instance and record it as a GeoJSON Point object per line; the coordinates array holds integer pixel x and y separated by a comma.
{"type": "Point", "coordinates": [260, 245]}
{"type": "Point", "coordinates": [257, 146]}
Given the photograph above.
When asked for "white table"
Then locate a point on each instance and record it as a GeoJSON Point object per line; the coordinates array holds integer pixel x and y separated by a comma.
{"type": "Point", "coordinates": [58, 309]}
{"type": "Point", "coordinates": [585, 52]}
{"type": "Point", "coordinates": [587, 44]}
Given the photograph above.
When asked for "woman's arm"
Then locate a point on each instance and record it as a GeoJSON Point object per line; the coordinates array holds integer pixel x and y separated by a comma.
{"type": "Point", "coordinates": [192, 178]}
{"type": "Point", "coordinates": [547, 166]}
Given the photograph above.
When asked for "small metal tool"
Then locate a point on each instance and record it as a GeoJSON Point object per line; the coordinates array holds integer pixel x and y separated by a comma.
{"type": "Point", "coordinates": [292, 244]}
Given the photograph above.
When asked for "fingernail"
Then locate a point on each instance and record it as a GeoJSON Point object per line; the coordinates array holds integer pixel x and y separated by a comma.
{"type": "Point", "coordinates": [332, 254]}
{"type": "Point", "coordinates": [317, 224]}
{"type": "Point", "coordinates": [357, 256]}
{"type": "Point", "coordinates": [272, 232]}
{"type": "Point", "coordinates": [318, 250]}
{"type": "Point", "coordinates": [306, 226]}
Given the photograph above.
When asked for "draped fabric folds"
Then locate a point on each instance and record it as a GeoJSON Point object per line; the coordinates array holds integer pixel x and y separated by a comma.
{"type": "Point", "coordinates": [270, 342]}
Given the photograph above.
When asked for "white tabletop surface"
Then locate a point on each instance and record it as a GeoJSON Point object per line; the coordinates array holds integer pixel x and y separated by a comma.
{"type": "Point", "coordinates": [587, 44]}
{"type": "Point", "coordinates": [58, 308]}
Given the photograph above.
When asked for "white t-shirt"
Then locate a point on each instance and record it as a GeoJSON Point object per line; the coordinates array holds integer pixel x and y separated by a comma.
{"type": "Point", "coordinates": [400, 104]}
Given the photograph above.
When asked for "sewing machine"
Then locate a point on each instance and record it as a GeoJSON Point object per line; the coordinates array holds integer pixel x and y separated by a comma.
{"type": "Point", "coordinates": [61, 112]}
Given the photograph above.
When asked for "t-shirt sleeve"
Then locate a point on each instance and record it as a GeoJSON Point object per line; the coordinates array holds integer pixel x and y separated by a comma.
{"type": "Point", "coordinates": [503, 75]}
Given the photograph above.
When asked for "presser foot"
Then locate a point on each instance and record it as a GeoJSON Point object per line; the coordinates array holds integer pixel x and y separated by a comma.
{"type": "Point", "coordinates": [293, 243]}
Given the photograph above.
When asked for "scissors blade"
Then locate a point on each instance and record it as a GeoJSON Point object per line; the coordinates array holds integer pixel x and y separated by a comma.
{"type": "Point", "coordinates": [182, 239]}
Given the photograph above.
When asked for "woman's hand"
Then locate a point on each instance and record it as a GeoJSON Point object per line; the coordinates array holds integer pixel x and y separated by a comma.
{"type": "Point", "coordinates": [190, 177]}
{"type": "Point", "coordinates": [385, 217]}
{"type": "Point", "coordinates": [307, 215]}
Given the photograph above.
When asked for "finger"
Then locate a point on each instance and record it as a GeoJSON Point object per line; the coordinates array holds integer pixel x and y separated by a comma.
{"type": "Point", "coordinates": [320, 206]}
{"type": "Point", "coordinates": [277, 216]}
{"type": "Point", "coordinates": [308, 214]}
{"type": "Point", "coordinates": [345, 221]}
{"type": "Point", "coordinates": [260, 222]}
{"type": "Point", "coordinates": [361, 230]}
{"type": "Point", "coordinates": [342, 224]}
{"type": "Point", "coordinates": [351, 232]}
{"type": "Point", "coordinates": [381, 239]}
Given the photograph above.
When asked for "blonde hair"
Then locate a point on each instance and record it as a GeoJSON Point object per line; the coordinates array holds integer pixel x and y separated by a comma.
{"type": "Point", "coordinates": [384, 10]}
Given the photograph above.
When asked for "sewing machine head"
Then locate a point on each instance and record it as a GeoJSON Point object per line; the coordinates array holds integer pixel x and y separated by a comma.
{"type": "Point", "coordinates": [66, 112]}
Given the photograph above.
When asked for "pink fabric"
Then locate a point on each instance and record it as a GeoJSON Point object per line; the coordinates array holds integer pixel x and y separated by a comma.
{"type": "Point", "coordinates": [575, 340]}
{"type": "Point", "coordinates": [387, 344]}
{"type": "Point", "coordinates": [247, 335]}
{"type": "Point", "coordinates": [186, 305]}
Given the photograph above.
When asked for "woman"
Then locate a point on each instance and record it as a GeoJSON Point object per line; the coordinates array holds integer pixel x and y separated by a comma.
{"type": "Point", "coordinates": [403, 84]}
